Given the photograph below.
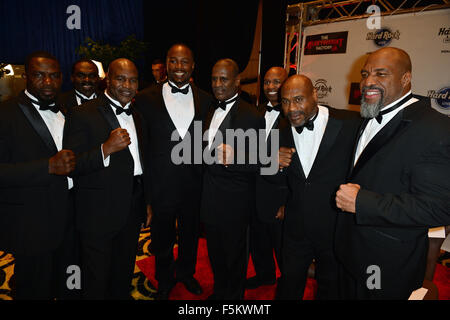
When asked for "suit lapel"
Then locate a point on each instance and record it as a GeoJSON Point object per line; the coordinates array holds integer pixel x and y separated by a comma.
{"type": "Point", "coordinates": [381, 139]}
{"type": "Point", "coordinates": [106, 111]}
{"type": "Point", "coordinates": [139, 133]}
{"type": "Point", "coordinates": [37, 123]}
{"type": "Point", "coordinates": [296, 165]}
{"type": "Point", "coordinates": [197, 115]}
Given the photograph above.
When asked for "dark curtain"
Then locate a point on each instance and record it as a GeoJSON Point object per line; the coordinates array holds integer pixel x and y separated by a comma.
{"type": "Point", "coordinates": [213, 30]}
{"type": "Point", "coordinates": [30, 25]}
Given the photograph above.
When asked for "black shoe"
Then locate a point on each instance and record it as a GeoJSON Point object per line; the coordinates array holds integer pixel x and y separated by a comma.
{"type": "Point", "coordinates": [192, 285]}
{"type": "Point", "coordinates": [255, 282]}
{"type": "Point", "coordinates": [163, 294]}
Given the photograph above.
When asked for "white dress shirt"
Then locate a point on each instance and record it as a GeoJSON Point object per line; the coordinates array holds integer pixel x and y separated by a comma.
{"type": "Point", "coordinates": [217, 119]}
{"type": "Point", "coordinates": [127, 122]}
{"type": "Point", "coordinates": [373, 127]}
{"type": "Point", "coordinates": [308, 142]}
{"type": "Point", "coordinates": [55, 124]}
{"type": "Point", "coordinates": [180, 107]}
{"type": "Point", "coordinates": [270, 117]}
{"type": "Point", "coordinates": [93, 96]}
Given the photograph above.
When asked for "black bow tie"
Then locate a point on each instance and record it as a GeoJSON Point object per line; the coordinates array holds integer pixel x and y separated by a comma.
{"type": "Point", "coordinates": [308, 125]}
{"type": "Point", "coordinates": [45, 105]}
{"type": "Point", "coordinates": [119, 109]}
{"type": "Point", "coordinates": [176, 89]}
{"type": "Point", "coordinates": [276, 108]}
{"type": "Point", "coordinates": [223, 104]}
{"type": "Point", "coordinates": [379, 117]}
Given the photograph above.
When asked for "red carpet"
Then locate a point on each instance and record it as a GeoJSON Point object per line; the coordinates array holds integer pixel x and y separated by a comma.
{"type": "Point", "coordinates": [204, 275]}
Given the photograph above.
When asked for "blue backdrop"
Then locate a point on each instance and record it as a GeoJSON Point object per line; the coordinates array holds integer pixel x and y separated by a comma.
{"type": "Point", "coordinates": [30, 25]}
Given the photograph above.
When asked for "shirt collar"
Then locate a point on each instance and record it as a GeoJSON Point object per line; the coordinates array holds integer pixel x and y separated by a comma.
{"type": "Point", "coordinates": [83, 96]}
{"type": "Point", "coordinates": [117, 103]}
{"type": "Point", "coordinates": [392, 103]}
{"type": "Point", "coordinates": [33, 98]}
{"type": "Point", "coordinates": [179, 87]}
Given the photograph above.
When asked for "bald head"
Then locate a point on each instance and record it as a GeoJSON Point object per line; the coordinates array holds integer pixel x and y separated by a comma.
{"type": "Point", "coordinates": [273, 80]}
{"type": "Point", "coordinates": [225, 80]}
{"type": "Point", "coordinates": [299, 99]}
{"type": "Point", "coordinates": [385, 78]}
{"type": "Point", "coordinates": [122, 80]}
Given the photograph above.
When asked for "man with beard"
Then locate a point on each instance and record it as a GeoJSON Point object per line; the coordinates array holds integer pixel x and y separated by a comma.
{"type": "Point", "coordinates": [228, 198]}
{"type": "Point", "coordinates": [316, 149]}
{"type": "Point", "coordinates": [266, 224]}
{"type": "Point", "coordinates": [108, 137]}
{"type": "Point", "coordinates": [174, 109]}
{"type": "Point", "coordinates": [85, 81]}
{"type": "Point", "coordinates": [36, 209]}
{"type": "Point", "coordinates": [399, 184]}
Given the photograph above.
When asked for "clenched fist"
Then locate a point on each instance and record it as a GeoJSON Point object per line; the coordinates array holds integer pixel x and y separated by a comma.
{"type": "Point", "coordinates": [118, 140]}
{"type": "Point", "coordinates": [285, 157]}
{"type": "Point", "coordinates": [225, 154]}
{"type": "Point", "coordinates": [62, 163]}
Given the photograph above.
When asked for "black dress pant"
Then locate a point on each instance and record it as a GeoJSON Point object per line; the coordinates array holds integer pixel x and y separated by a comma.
{"type": "Point", "coordinates": [108, 260]}
{"type": "Point", "coordinates": [164, 235]}
{"type": "Point", "coordinates": [228, 254]}
{"type": "Point", "coordinates": [298, 255]}
{"type": "Point", "coordinates": [44, 276]}
{"type": "Point", "coordinates": [265, 239]}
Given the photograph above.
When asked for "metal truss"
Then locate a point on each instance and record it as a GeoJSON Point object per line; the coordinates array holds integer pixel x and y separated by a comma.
{"type": "Point", "coordinates": [301, 15]}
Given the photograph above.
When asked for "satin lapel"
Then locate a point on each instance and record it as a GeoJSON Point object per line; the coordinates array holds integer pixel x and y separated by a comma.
{"type": "Point", "coordinates": [360, 131]}
{"type": "Point", "coordinates": [296, 166]}
{"type": "Point", "coordinates": [37, 123]}
{"type": "Point", "coordinates": [381, 139]}
{"type": "Point", "coordinates": [140, 134]}
{"type": "Point", "coordinates": [329, 137]}
{"type": "Point", "coordinates": [105, 109]}
{"type": "Point", "coordinates": [197, 115]}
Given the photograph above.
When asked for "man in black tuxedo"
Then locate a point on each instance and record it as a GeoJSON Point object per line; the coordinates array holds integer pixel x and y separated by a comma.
{"type": "Point", "coordinates": [229, 185]}
{"type": "Point", "coordinates": [266, 224]}
{"type": "Point", "coordinates": [36, 208]}
{"type": "Point", "coordinates": [173, 111]}
{"type": "Point", "coordinates": [108, 137]}
{"type": "Point", "coordinates": [316, 147]}
{"type": "Point", "coordinates": [85, 82]}
{"type": "Point", "coordinates": [399, 184]}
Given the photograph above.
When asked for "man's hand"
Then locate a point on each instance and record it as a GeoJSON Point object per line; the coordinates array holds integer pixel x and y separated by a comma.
{"type": "Point", "coordinates": [62, 163]}
{"type": "Point", "coordinates": [346, 197]}
{"type": "Point", "coordinates": [280, 213]}
{"type": "Point", "coordinates": [225, 154]}
{"type": "Point", "coordinates": [149, 215]}
{"type": "Point", "coordinates": [285, 157]}
{"type": "Point", "coordinates": [118, 140]}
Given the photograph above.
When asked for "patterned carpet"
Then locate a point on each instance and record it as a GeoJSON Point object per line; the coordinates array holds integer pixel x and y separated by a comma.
{"type": "Point", "coordinates": [143, 289]}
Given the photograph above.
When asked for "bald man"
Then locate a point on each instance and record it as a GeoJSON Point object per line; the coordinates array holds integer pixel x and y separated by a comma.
{"type": "Point", "coordinates": [399, 184]}
{"type": "Point", "coordinates": [228, 198]}
{"type": "Point", "coordinates": [108, 138]}
{"type": "Point", "coordinates": [315, 156]}
{"type": "Point", "coordinates": [266, 224]}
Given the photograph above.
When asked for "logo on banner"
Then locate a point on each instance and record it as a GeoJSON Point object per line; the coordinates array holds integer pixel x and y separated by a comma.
{"type": "Point", "coordinates": [326, 43]}
{"type": "Point", "coordinates": [442, 97]}
{"type": "Point", "coordinates": [383, 37]}
{"type": "Point", "coordinates": [445, 33]}
{"type": "Point", "coordinates": [355, 94]}
{"type": "Point", "coordinates": [322, 88]}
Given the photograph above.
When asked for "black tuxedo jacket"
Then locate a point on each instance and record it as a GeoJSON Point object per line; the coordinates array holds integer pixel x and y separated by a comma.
{"type": "Point", "coordinates": [405, 189]}
{"type": "Point", "coordinates": [103, 195]}
{"type": "Point", "coordinates": [228, 191]}
{"type": "Point", "coordinates": [68, 100]}
{"type": "Point", "coordinates": [270, 196]}
{"type": "Point", "coordinates": [311, 207]}
{"type": "Point", "coordinates": [33, 203]}
{"type": "Point", "coordinates": [172, 183]}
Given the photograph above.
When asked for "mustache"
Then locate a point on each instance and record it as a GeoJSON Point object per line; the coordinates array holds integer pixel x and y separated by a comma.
{"type": "Point", "coordinates": [87, 83]}
{"type": "Point", "coordinates": [296, 113]}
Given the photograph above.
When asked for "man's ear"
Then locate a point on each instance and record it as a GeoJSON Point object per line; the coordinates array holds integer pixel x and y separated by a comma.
{"type": "Point", "coordinates": [315, 96]}
{"type": "Point", "coordinates": [238, 81]}
{"type": "Point", "coordinates": [406, 79]}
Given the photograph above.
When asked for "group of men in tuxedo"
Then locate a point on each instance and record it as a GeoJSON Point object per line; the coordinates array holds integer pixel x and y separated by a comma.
{"type": "Point", "coordinates": [86, 170]}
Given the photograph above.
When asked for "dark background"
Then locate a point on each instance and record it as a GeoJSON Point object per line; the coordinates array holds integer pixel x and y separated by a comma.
{"type": "Point", "coordinates": [213, 29]}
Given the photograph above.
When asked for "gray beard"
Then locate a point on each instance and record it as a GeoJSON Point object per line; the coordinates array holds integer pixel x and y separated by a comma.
{"type": "Point", "coordinates": [371, 110]}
